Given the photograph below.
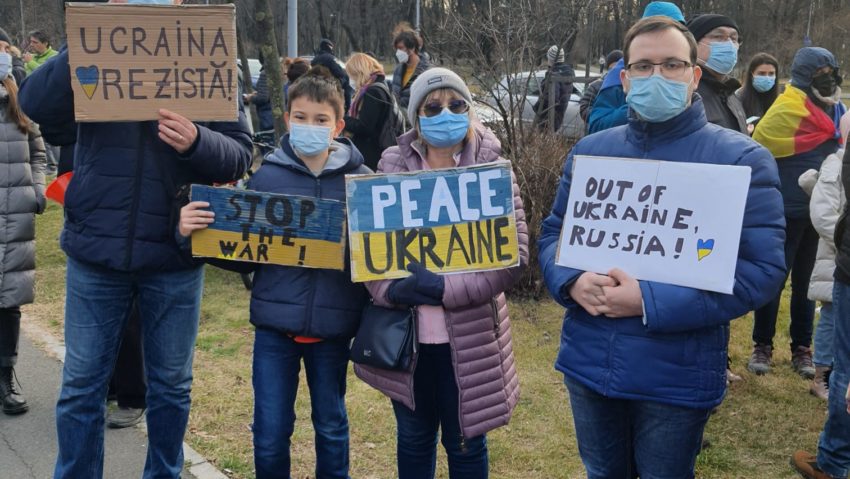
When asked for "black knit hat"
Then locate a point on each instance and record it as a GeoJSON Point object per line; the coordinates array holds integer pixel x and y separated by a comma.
{"type": "Point", "coordinates": [4, 37]}
{"type": "Point", "coordinates": [614, 57]}
{"type": "Point", "coordinates": [700, 25]}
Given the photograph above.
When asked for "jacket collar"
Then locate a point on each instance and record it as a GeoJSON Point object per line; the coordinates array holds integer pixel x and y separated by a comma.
{"type": "Point", "coordinates": [482, 147]}
{"type": "Point", "coordinates": [344, 157]}
{"type": "Point", "coordinates": [726, 84]}
{"type": "Point", "coordinates": [646, 134]}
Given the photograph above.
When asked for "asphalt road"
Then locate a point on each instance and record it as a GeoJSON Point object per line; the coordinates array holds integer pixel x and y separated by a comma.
{"type": "Point", "coordinates": [28, 441]}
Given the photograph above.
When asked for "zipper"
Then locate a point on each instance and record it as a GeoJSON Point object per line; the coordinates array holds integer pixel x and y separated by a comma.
{"type": "Point", "coordinates": [134, 214]}
{"type": "Point", "coordinates": [309, 322]}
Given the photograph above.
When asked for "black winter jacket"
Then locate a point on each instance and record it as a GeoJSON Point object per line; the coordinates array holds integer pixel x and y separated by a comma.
{"type": "Point", "coordinates": [366, 126]}
{"type": "Point", "coordinates": [722, 107]}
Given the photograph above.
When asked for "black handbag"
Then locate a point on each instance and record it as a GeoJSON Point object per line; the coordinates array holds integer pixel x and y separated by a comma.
{"type": "Point", "coordinates": [386, 338]}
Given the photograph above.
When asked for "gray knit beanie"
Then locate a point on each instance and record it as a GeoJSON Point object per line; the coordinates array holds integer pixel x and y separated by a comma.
{"type": "Point", "coordinates": [430, 80]}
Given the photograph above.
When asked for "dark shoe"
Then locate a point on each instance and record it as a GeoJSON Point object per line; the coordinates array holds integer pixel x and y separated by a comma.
{"type": "Point", "coordinates": [820, 384]}
{"type": "Point", "coordinates": [12, 399]}
{"type": "Point", "coordinates": [122, 417]}
{"type": "Point", "coordinates": [760, 359]}
{"type": "Point", "coordinates": [807, 465]}
{"type": "Point", "coordinates": [801, 361]}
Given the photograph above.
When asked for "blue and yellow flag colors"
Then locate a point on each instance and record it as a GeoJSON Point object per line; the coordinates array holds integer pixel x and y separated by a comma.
{"type": "Point", "coordinates": [451, 220]}
{"type": "Point", "coordinates": [271, 228]}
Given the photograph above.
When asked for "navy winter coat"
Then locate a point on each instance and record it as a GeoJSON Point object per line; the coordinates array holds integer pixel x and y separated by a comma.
{"type": "Point", "coordinates": [317, 303]}
{"type": "Point", "coordinates": [119, 204]}
{"type": "Point", "coordinates": [678, 356]}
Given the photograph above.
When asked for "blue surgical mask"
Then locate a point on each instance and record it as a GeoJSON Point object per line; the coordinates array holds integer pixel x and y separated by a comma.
{"type": "Point", "coordinates": [151, 2]}
{"type": "Point", "coordinates": [763, 83]}
{"type": "Point", "coordinates": [656, 99]}
{"type": "Point", "coordinates": [5, 65]}
{"type": "Point", "coordinates": [444, 130]}
{"type": "Point", "coordinates": [309, 140]}
{"type": "Point", "coordinates": [723, 57]}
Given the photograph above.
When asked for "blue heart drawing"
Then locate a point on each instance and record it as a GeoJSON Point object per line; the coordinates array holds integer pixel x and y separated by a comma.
{"type": "Point", "coordinates": [88, 78]}
{"type": "Point", "coordinates": [704, 248]}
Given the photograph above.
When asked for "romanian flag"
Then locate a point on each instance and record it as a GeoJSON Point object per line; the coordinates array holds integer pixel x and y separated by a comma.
{"type": "Point", "coordinates": [795, 125]}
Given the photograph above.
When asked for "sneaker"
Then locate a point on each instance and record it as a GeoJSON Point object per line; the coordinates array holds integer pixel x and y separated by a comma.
{"type": "Point", "coordinates": [122, 417]}
{"type": "Point", "coordinates": [807, 465]}
{"type": "Point", "coordinates": [801, 361]}
{"type": "Point", "coordinates": [760, 359]}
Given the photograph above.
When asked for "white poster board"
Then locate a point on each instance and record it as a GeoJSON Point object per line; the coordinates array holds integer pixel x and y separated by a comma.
{"type": "Point", "coordinates": [670, 222]}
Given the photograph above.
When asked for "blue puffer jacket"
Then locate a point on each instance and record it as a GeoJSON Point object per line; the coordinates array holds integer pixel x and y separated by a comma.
{"type": "Point", "coordinates": [678, 356]}
{"type": "Point", "coordinates": [119, 205]}
{"type": "Point", "coordinates": [318, 303]}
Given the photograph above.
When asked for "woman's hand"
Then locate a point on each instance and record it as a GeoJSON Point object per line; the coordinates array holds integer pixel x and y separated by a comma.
{"type": "Point", "coordinates": [193, 218]}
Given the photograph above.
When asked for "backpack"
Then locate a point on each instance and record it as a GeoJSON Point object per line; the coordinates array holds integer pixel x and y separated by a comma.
{"type": "Point", "coordinates": [395, 125]}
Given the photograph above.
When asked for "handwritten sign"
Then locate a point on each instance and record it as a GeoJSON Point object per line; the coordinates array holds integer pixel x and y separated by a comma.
{"type": "Point", "coordinates": [452, 220]}
{"type": "Point", "coordinates": [677, 223]}
{"type": "Point", "coordinates": [128, 61]}
{"type": "Point", "coordinates": [270, 228]}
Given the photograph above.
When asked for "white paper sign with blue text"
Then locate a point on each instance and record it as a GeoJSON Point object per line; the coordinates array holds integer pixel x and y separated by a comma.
{"type": "Point", "coordinates": [663, 221]}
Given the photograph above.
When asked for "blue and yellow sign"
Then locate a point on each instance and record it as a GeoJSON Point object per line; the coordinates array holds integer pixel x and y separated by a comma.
{"type": "Point", "coordinates": [451, 220]}
{"type": "Point", "coordinates": [271, 228]}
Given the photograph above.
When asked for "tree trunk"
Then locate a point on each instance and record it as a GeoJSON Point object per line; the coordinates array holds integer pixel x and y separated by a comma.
{"type": "Point", "coordinates": [268, 46]}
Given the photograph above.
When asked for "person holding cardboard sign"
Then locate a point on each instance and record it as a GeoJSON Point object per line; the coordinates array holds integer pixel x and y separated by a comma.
{"type": "Point", "coordinates": [644, 362]}
{"type": "Point", "coordinates": [301, 313]}
{"type": "Point", "coordinates": [464, 381]}
{"type": "Point", "coordinates": [119, 236]}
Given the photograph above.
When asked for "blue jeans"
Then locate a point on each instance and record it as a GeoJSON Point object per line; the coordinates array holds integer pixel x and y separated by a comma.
{"type": "Point", "coordinates": [97, 306]}
{"type": "Point", "coordinates": [625, 439]}
{"type": "Point", "coordinates": [277, 362]}
{"type": "Point", "coordinates": [834, 444]}
{"type": "Point", "coordinates": [436, 395]}
{"type": "Point", "coordinates": [824, 336]}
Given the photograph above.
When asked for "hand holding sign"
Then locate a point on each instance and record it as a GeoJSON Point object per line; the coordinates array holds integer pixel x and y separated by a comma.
{"type": "Point", "coordinates": [176, 130]}
{"type": "Point", "coordinates": [193, 217]}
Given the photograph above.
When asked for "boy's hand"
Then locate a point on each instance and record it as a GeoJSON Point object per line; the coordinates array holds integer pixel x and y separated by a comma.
{"type": "Point", "coordinates": [176, 130]}
{"type": "Point", "coordinates": [193, 218]}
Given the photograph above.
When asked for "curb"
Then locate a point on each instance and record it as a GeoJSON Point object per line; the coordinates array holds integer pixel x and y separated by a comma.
{"type": "Point", "coordinates": [197, 465]}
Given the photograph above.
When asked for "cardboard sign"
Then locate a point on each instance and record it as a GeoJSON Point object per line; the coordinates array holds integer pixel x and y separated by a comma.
{"type": "Point", "coordinates": [128, 61]}
{"type": "Point", "coordinates": [452, 220]}
{"type": "Point", "coordinates": [271, 229]}
{"type": "Point", "coordinates": [677, 223]}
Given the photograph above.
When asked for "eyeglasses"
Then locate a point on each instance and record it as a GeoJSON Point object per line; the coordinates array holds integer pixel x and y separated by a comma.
{"type": "Point", "coordinates": [669, 68]}
{"type": "Point", "coordinates": [434, 108]}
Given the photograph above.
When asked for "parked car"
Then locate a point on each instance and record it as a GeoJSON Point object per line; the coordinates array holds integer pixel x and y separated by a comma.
{"type": "Point", "coordinates": [524, 83]}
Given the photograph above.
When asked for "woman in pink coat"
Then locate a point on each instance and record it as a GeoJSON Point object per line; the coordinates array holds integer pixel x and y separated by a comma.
{"type": "Point", "coordinates": [463, 380]}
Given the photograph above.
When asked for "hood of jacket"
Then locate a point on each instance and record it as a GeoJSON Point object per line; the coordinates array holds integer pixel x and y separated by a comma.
{"type": "Point", "coordinates": [343, 157]}
{"type": "Point", "coordinates": [482, 147]}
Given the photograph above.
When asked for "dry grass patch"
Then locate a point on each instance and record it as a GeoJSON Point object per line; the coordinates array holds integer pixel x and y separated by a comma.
{"type": "Point", "coordinates": [762, 421]}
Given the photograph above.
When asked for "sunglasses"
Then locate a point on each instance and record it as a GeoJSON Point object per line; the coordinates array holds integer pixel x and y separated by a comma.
{"type": "Point", "coordinates": [434, 108]}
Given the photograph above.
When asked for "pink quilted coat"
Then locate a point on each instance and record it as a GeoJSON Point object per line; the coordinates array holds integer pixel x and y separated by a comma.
{"type": "Point", "coordinates": [476, 311]}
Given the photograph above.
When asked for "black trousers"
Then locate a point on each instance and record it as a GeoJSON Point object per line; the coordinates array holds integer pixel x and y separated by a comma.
{"type": "Point", "coordinates": [801, 246]}
{"type": "Point", "coordinates": [128, 378]}
{"type": "Point", "coordinates": [10, 332]}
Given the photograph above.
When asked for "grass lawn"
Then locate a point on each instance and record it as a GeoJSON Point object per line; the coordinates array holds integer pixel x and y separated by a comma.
{"type": "Point", "coordinates": [762, 421]}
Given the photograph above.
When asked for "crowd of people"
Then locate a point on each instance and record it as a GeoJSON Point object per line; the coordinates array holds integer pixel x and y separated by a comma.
{"type": "Point", "coordinates": [644, 363]}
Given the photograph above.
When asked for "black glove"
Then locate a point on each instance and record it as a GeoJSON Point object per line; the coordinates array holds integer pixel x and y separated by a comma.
{"type": "Point", "coordinates": [421, 287]}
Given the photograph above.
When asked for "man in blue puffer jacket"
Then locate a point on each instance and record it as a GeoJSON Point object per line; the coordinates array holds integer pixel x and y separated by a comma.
{"type": "Point", "coordinates": [120, 239]}
{"type": "Point", "coordinates": [645, 362]}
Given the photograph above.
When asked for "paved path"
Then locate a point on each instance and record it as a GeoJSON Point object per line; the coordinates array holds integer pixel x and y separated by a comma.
{"type": "Point", "coordinates": [28, 441]}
